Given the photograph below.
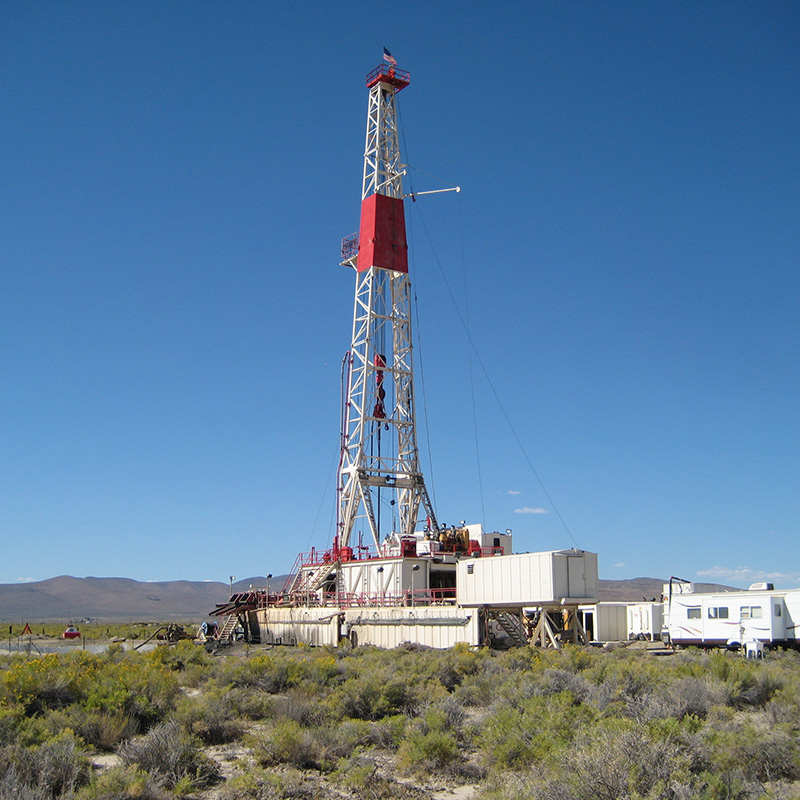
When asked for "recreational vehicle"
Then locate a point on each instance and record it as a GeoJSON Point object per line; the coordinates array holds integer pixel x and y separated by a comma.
{"type": "Point", "coordinates": [731, 619]}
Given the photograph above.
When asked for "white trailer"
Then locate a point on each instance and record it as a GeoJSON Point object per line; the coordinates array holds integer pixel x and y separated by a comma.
{"type": "Point", "coordinates": [731, 619]}
{"type": "Point", "coordinates": [644, 621]}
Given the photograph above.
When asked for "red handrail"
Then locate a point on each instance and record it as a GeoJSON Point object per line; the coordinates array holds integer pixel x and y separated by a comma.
{"type": "Point", "coordinates": [419, 597]}
{"type": "Point", "coordinates": [398, 78]}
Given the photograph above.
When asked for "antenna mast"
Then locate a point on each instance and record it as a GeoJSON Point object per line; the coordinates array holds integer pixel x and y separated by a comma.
{"type": "Point", "coordinates": [379, 467]}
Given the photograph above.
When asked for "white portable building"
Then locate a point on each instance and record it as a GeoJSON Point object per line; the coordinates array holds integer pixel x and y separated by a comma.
{"type": "Point", "coordinates": [528, 579]}
{"type": "Point", "coordinates": [605, 622]}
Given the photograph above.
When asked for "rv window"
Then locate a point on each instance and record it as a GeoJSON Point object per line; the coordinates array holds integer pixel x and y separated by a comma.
{"type": "Point", "coordinates": [750, 612]}
{"type": "Point", "coordinates": [718, 613]}
{"type": "Point", "coordinates": [777, 611]}
{"type": "Point", "coordinates": [693, 613]}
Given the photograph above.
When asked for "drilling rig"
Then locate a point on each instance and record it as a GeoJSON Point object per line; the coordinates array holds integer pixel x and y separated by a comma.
{"type": "Point", "coordinates": [379, 457]}
{"type": "Point", "coordinates": [381, 491]}
{"type": "Point", "coordinates": [412, 579]}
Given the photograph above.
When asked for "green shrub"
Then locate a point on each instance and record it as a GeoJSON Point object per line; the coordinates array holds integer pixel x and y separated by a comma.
{"type": "Point", "coordinates": [749, 683]}
{"type": "Point", "coordinates": [428, 751]}
{"type": "Point", "coordinates": [170, 755]}
{"type": "Point", "coordinates": [476, 691]}
{"type": "Point", "coordinates": [262, 671]}
{"type": "Point", "coordinates": [577, 659]}
{"type": "Point", "coordinates": [453, 666]}
{"type": "Point", "coordinates": [286, 742]}
{"type": "Point", "coordinates": [250, 704]}
{"type": "Point", "coordinates": [104, 730]}
{"type": "Point", "coordinates": [214, 717]}
{"type": "Point", "coordinates": [618, 759]}
{"type": "Point", "coordinates": [124, 783]}
{"type": "Point", "coordinates": [349, 735]}
{"type": "Point", "coordinates": [388, 732]}
{"type": "Point", "coordinates": [260, 784]}
{"type": "Point", "coordinates": [754, 754]}
{"type": "Point", "coordinates": [256, 784]}
{"type": "Point", "coordinates": [372, 697]}
{"type": "Point", "coordinates": [10, 720]}
{"type": "Point", "coordinates": [613, 760]}
{"type": "Point", "coordinates": [565, 725]}
{"type": "Point", "coordinates": [14, 787]}
{"type": "Point", "coordinates": [358, 772]}
{"type": "Point", "coordinates": [556, 680]}
{"type": "Point", "coordinates": [135, 687]}
{"type": "Point", "coordinates": [54, 769]}
{"type": "Point", "coordinates": [685, 697]}
{"type": "Point", "coordinates": [446, 714]}
{"type": "Point", "coordinates": [303, 704]}
{"type": "Point", "coordinates": [533, 730]}
{"type": "Point", "coordinates": [320, 669]}
{"type": "Point", "coordinates": [39, 684]}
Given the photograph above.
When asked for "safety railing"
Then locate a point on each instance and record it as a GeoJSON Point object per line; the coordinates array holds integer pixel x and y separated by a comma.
{"type": "Point", "coordinates": [399, 78]}
{"type": "Point", "coordinates": [416, 597]}
{"type": "Point", "coordinates": [424, 549]}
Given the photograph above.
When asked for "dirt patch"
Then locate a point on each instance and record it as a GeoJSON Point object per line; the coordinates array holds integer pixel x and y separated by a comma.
{"type": "Point", "coordinates": [100, 763]}
{"type": "Point", "coordinates": [456, 793]}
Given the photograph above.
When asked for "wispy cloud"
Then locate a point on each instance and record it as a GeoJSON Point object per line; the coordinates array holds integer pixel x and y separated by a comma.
{"type": "Point", "coordinates": [529, 510]}
{"type": "Point", "coordinates": [748, 574]}
{"type": "Point", "coordinates": [25, 580]}
{"type": "Point", "coordinates": [620, 564]}
{"type": "Point", "coordinates": [513, 491]}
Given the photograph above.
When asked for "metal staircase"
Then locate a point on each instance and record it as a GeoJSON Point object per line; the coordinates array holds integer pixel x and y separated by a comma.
{"type": "Point", "coordinates": [512, 626]}
{"type": "Point", "coordinates": [311, 579]}
{"type": "Point", "coordinates": [228, 627]}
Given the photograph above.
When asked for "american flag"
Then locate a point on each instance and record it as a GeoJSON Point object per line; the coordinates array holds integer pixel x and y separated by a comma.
{"type": "Point", "coordinates": [387, 56]}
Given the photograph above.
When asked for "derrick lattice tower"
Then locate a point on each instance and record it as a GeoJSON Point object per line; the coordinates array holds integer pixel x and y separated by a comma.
{"type": "Point", "coordinates": [381, 487]}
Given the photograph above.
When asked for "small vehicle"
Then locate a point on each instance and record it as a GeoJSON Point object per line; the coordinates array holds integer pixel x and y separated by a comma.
{"type": "Point", "coordinates": [71, 632]}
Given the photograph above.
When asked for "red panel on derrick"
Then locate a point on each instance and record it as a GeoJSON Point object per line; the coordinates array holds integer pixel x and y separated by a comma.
{"type": "Point", "coordinates": [382, 236]}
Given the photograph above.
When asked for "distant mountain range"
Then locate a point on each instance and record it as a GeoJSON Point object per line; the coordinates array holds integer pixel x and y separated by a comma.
{"type": "Point", "coordinates": [68, 599]}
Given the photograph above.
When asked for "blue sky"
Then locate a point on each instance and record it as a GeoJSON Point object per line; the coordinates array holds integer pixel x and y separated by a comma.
{"type": "Point", "coordinates": [176, 180]}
